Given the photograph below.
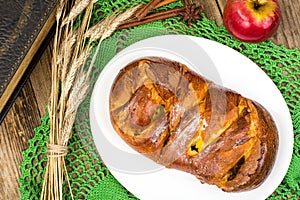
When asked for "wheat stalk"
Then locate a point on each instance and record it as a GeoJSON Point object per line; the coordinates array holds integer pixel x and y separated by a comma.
{"type": "Point", "coordinates": [70, 82]}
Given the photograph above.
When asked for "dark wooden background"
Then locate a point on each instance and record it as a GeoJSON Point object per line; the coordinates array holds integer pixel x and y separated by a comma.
{"type": "Point", "coordinates": [30, 105]}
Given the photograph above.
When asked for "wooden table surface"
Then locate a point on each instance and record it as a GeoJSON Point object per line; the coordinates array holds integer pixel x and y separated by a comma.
{"type": "Point", "coordinates": [30, 105]}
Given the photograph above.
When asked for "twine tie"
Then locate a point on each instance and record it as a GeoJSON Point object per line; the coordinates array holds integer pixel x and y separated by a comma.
{"type": "Point", "coordinates": [54, 150]}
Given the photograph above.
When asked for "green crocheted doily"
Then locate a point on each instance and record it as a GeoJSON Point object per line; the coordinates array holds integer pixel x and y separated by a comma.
{"type": "Point", "coordinates": [90, 178]}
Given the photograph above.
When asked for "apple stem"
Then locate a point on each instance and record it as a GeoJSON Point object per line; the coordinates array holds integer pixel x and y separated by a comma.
{"type": "Point", "coordinates": [256, 4]}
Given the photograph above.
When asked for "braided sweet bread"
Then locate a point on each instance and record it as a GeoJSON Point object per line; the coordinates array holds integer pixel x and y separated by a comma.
{"type": "Point", "coordinates": [179, 119]}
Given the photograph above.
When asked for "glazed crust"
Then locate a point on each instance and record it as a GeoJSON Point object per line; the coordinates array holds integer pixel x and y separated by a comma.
{"type": "Point", "coordinates": [179, 119]}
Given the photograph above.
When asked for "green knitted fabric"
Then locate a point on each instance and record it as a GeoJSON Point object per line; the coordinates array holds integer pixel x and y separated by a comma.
{"type": "Point", "coordinates": [89, 177]}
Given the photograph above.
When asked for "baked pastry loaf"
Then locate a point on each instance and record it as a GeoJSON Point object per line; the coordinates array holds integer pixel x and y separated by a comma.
{"type": "Point", "coordinates": [179, 119]}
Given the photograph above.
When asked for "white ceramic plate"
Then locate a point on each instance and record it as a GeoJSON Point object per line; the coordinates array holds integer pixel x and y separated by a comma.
{"type": "Point", "coordinates": [218, 63]}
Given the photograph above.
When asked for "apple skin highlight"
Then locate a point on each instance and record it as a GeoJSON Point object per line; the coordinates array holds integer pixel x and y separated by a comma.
{"type": "Point", "coordinates": [250, 20]}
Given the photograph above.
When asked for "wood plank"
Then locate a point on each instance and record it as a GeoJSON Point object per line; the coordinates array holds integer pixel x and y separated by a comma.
{"type": "Point", "coordinates": [288, 31]}
{"type": "Point", "coordinates": [16, 130]}
{"type": "Point", "coordinates": [41, 80]}
{"type": "Point", "coordinates": [212, 11]}
{"type": "Point", "coordinates": [17, 127]}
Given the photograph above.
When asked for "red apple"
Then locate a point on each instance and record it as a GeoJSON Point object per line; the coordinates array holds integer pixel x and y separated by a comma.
{"type": "Point", "coordinates": [251, 20]}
